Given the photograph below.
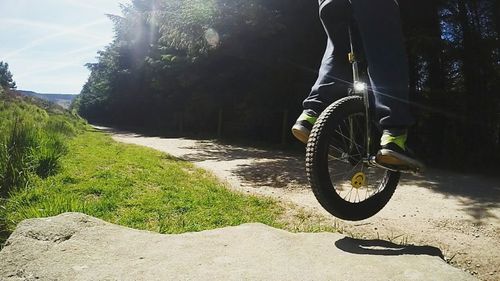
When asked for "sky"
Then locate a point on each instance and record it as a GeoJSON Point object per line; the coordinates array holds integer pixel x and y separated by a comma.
{"type": "Point", "coordinates": [47, 42]}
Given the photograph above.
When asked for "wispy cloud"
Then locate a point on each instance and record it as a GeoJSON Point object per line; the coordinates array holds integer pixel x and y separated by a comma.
{"type": "Point", "coordinates": [82, 4]}
{"type": "Point", "coordinates": [62, 61]}
{"type": "Point", "coordinates": [30, 23]}
{"type": "Point", "coordinates": [79, 30]}
{"type": "Point", "coordinates": [51, 40]}
{"type": "Point", "coordinates": [85, 49]}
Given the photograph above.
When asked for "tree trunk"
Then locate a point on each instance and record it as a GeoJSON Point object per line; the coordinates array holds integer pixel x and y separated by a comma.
{"type": "Point", "coordinates": [477, 142]}
{"type": "Point", "coordinates": [436, 81]}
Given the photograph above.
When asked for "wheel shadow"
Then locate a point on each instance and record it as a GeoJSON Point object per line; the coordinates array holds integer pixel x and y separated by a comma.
{"type": "Point", "coordinates": [384, 248]}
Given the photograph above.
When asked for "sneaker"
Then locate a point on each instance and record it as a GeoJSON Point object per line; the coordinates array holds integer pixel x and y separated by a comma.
{"type": "Point", "coordinates": [303, 126]}
{"type": "Point", "coordinates": [394, 154]}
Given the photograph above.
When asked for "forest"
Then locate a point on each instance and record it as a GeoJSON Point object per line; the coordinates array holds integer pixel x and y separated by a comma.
{"type": "Point", "coordinates": [239, 69]}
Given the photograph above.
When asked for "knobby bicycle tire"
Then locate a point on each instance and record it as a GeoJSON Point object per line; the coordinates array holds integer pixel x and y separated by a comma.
{"type": "Point", "coordinates": [318, 171]}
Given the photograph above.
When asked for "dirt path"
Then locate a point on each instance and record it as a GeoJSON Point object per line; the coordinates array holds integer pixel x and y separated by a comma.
{"type": "Point", "coordinates": [459, 214]}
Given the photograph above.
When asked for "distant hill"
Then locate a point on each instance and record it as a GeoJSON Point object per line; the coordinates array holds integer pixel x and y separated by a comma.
{"type": "Point", "coordinates": [63, 100]}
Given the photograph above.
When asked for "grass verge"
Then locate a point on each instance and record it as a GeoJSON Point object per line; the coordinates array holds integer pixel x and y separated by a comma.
{"type": "Point", "coordinates": [144, 189]}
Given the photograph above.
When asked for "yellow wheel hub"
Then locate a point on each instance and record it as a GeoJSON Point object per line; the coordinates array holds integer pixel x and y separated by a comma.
{"type": "Point", "coordinates": [358, 180]}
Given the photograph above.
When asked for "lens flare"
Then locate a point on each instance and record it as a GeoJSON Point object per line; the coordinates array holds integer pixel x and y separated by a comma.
{"type": "Point", "coordinates": [360, 87]}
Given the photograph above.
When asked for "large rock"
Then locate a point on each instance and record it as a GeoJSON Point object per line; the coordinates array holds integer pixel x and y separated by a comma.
{"type": "Point", "coordinates": [74, 246]}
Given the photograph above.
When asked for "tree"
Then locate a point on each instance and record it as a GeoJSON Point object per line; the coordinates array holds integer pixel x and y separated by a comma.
{"type": "Point", "coordinates": [187, 64]}
{"type": "Point", "coordinates": [6, 77]}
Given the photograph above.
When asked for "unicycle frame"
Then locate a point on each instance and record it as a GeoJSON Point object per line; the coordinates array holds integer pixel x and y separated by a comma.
{"type": "Point", "coordinates": [360, 88]}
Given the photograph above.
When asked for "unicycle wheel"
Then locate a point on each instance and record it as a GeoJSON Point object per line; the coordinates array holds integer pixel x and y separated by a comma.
{"type": "Point", "coordinates": [342, 179]}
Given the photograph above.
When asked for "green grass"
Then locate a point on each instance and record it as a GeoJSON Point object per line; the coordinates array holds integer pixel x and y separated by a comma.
{"type": "Point", "coordinates": [32, 140]}
{"type": "Point", "coordinates": [137, 187]}
{"type": "Point", "coordinates": [68, 167]}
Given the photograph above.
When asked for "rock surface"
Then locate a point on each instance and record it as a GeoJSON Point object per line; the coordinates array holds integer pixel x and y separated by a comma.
{"type": "Point", "coordinates": [74, 246]}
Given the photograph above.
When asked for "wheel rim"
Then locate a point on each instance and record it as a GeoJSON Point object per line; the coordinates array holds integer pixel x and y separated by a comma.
{"type": "Point", "coordinates": [353, 179]}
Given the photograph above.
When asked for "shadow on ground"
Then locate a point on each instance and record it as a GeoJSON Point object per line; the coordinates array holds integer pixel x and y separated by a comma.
{"type": "Point", "coordinates": [477, 194]}
{"type": "Point", "coordinates": [272, 168]}
{"type": "Point", "coordinates": [384, 248]}
{"type": "Point", "coordinates": [286, 170]}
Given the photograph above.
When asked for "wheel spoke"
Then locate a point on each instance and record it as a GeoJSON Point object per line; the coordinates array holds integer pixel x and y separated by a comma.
{"type": "Point", "coordinates": [344, 137]}
{"type": "Point", "coordinates": [350, 132]}
{"type": "Point", "coordinates": [344, 157]}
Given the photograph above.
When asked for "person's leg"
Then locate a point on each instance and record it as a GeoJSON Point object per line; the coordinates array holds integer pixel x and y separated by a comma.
{"type": "Point", "coordinates": [380, 26]}
{"type": "Point", "coordinates": [335, 72]}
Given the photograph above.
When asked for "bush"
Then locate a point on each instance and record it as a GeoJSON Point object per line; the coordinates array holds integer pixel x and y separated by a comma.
{"type": "Point", "coordinates": [50, 150]}
{"type": "Point", "coordinates": [58, 124]}
{"type": "Point", "coordinates": [17, 152]}
{"type": "Point", "coordinates": [32, 141]}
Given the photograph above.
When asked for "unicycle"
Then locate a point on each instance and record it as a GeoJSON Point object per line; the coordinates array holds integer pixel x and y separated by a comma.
{"type": "Point", "coordinates": [340, 156]}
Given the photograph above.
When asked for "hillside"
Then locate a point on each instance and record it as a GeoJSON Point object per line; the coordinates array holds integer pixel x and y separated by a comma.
{"type": "Point", "coordinates": [63, 100]}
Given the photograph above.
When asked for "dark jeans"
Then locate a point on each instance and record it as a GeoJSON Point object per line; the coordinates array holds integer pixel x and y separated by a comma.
{"type": "Point", "coordinates": [379, 25]}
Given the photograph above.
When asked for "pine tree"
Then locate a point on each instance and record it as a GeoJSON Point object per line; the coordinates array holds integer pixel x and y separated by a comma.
{"type": "Point", "coordinates": [6, 80]}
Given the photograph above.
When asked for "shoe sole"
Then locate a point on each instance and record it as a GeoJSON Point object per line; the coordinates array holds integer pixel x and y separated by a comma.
{"type": "Point", "coordinates": [393, 159]}
{"type": "Point", "coordinates": [301, 133]}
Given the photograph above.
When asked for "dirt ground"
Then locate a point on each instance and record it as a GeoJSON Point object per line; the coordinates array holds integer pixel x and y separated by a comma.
{"type": "Point", "coordinates": [456, 214]}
